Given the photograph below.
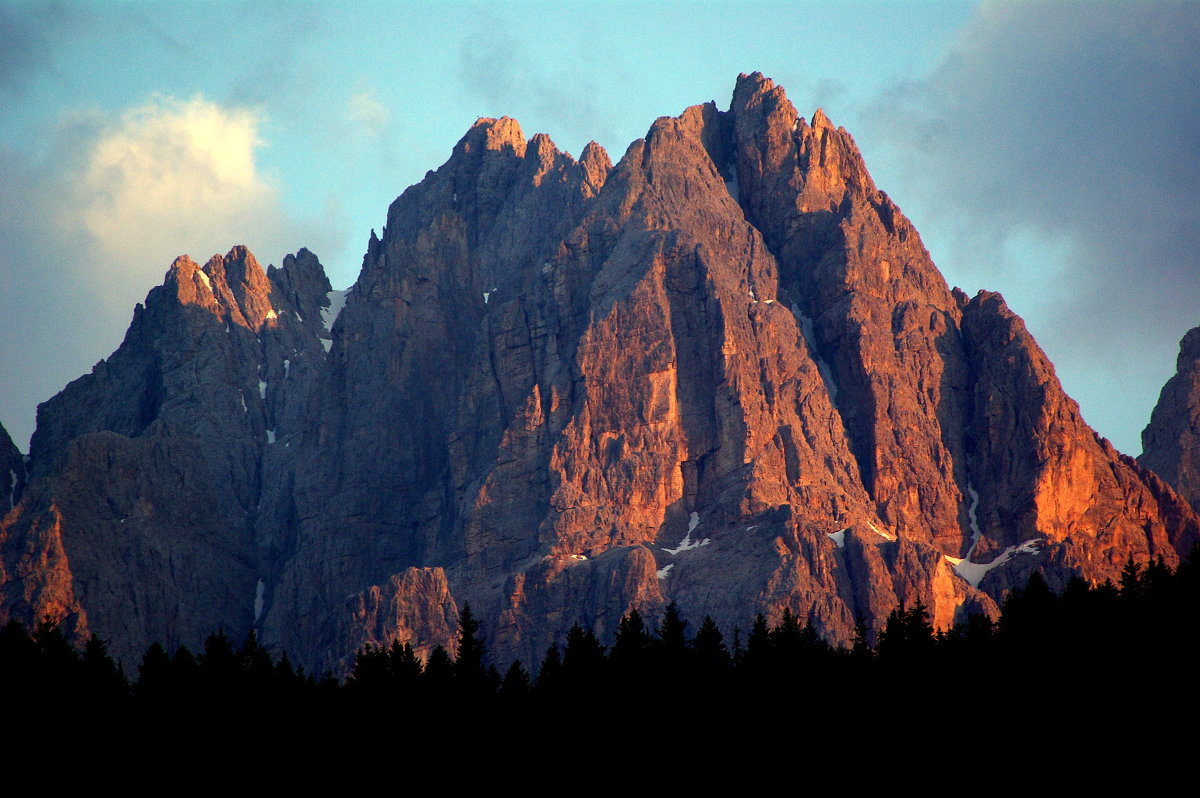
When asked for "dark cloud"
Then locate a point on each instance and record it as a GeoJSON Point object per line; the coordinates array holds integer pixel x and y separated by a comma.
{"type": "Point", "coordinates": [1058, 147]}
{"type": "Point", "coordinates": [27, 37]}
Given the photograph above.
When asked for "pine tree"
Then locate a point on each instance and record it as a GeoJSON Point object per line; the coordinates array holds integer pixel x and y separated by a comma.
{"type": "Point", "coordinates": [712, 657]}
{"type": "Point", "coordinates": [154, 674]}
{"type": "Point", "coordinates": [583, 660]}
{"type": "Point", "coordinates": [516, 684]}
{"type": "Point", "coordinates": [550, 672]}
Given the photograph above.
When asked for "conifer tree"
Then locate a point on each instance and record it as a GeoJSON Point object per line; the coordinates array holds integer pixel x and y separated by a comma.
{"type": "Point", "coordinates": [583, 660]}
{"type": "Point", "coordinates": [516, 683]}
{"type": "Point", "coordinates": [712, 657]}
{"type": "Point", "coordinates": [550, 672]}
{"type": "Point", "coordinates": [469, 670]}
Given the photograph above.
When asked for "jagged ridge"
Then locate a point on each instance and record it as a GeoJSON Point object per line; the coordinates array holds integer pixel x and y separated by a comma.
{"type": "Point", "coordinates": [723, 371]}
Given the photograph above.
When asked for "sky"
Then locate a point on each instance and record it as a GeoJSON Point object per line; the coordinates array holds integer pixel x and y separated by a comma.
{"type": "Point", "coordinates": [1046, 150]}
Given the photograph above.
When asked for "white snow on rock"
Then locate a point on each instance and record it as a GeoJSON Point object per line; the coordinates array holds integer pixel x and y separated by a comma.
{"type": "Point", "coordinates": [880, 532]}
{"type": "Point", "coordinates": [578, 557]}
{"type": "Point", "coordinates": [810, 338]}
{"type": "Point", "coordinates": [838, 537]}
{"type": "Point", "coordinates": [12, 487]}
{"type": "Point", "coordinates": [287, 368]}
{"type": "Point", "coordinates": [271, 314]}
{"type": "Point", "coordinates": [337, 301]}
{"type": "Point", "coordinates": [487, 294]}
{"type": "Point", "coordinates": [327, 343]}
{"type": "Point", "coordinates": [258, 599]}
{"type": "Point", "coordinates": [204, 279]}
{"type": "Point", "coordinates": [974, 572]}
{"type": "Point", "coordinates": [662, 572]}
{"type": "Point", "coordinates": [731, 186]}
{"type": "Point", "coordinates": [270, 436]}
{"type": "Point", "coordinates": [242, 397]}
{"type": "Point", "coordinates": [262, 389]}
{"type": "Point", "coordinates": [975, 533]}
{"type": "Point", "coordinates": [296, 313]}
{"type": "Point", "coordinates": [687, 544]}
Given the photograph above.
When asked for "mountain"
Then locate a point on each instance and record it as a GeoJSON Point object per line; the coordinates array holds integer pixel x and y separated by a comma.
{"type": "Point", "coordinates": [723, 372]}
{"type": "Point", "coordinates": [12, 465]}
{"type": "Point", "coordinates": [1171, 441]}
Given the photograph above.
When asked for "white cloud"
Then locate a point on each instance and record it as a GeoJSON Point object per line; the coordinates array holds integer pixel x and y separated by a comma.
{"type": "Point", "coordinates": [175, 176]}
{"type": "Point", "coordinates": [101, 213]}
{"type": "Point", "coordinates": [368, 114]}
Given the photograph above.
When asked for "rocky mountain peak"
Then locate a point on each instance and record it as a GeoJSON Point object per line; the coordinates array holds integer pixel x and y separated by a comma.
{"type": "Point", "coordinates": [495, 135]}
{"type": "Point", "coordinates": [1171, 441]}
{"type": "Point", "coordinates": [723, 372]}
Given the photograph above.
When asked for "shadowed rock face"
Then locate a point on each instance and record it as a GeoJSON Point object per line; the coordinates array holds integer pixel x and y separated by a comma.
{"type": "Point", "coordinates": [723, 372]}
{"type": "Point", "coordinates": [12, 472]}
{"type": "Point", "coordinates": [1171, 441]}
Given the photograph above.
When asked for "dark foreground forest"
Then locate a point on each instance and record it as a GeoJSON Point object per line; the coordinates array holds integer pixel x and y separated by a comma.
{"type": "Point", "coordinates": [1088, 652]}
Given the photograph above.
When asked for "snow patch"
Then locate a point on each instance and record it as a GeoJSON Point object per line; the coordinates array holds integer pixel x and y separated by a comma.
{"type": "Point", "coordinates": [731, 185]}
{"type": "Point", "coordinates": [12, 487]}
{"type": "Point", "coordinates": [687, 544]}
{"type": "Point", "coordinates": [975, 533]}
{"type": "Point", "coordinates": [662, 572]}
{"type": "Point", "coordinates": [204, 279]}
{"type": "Point", "coordinates": [487, 294]}
{"type": "Point", "coordinates": [810, 338]}
{"type": "Point", "coordinates": [337, 301]}
{"type": "Point", "coordinates": [880, 532]}
{"type": "Point", "coordinates": [258, 599]}
{"type": "Point", "coordinates": [242, 398]}
{"type": "Point", "coordinates": [297, 315]}
{"type": "Point", "coordinates": [271, 314]}
{"type": "Point", "coordinates": [752, 296]}
{"type": "Point", "coordinates": [974, 572]}
{"type": "Point", "coordinates": [262, 389]}
{"type": "Point", "coordinates": [327, 343]}
{"type": "Point", "coordinates": [578, 557]}
{"type": "Point", "coordinates": [287, 367]}
{"type": "Point", "coordinates": [270, 436]}
{"type": "Point", "coordinates": [838, 537]}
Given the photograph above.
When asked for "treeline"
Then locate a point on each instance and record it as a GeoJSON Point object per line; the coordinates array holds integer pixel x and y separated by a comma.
{"type": "Point", "coordinates": [1080, 645]}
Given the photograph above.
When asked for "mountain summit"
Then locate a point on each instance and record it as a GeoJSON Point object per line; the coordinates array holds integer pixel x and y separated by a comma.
{"type": "Point", "coordinates": [723, 372]}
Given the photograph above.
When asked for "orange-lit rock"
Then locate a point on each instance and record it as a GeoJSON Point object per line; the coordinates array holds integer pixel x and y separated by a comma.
{"type": "Point", "coordinates": [722, 372]}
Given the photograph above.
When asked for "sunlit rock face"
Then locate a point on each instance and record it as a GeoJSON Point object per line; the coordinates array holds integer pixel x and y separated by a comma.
{"type": "Point", "coordinates": [145, 476]}
{"type": "Point", "coordinates": [1171, 441]}
{"type": "Point", "coordinates": [722, 372]}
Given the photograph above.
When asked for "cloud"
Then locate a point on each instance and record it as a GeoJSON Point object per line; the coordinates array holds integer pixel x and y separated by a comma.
{"type": "Point", "coordinates": [369, 115]}
{"type": "Point", "coordinates": [1057, 150]}
{"type": "Point", "coordinates": [100, 214]}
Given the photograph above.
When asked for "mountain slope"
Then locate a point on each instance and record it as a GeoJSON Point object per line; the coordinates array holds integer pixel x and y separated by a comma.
{"type": "Point", "coordinates": [723, 371]}
{"type": "Point", "coordinates": [1171, 441]}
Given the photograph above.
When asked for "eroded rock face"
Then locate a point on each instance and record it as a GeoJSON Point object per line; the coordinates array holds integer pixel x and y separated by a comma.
{"type": "Point", "coordinates": [723, 371]}
{"type": "Point", "coordinates": [1171, 441]}
{"type": "Point", "coordinates": [12, 472]}
{"type": "Point", "coordinates": [139, 522]}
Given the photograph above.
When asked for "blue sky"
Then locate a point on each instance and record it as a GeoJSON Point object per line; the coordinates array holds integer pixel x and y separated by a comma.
{"type": "Point", "coordinates": [1045, 150]}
